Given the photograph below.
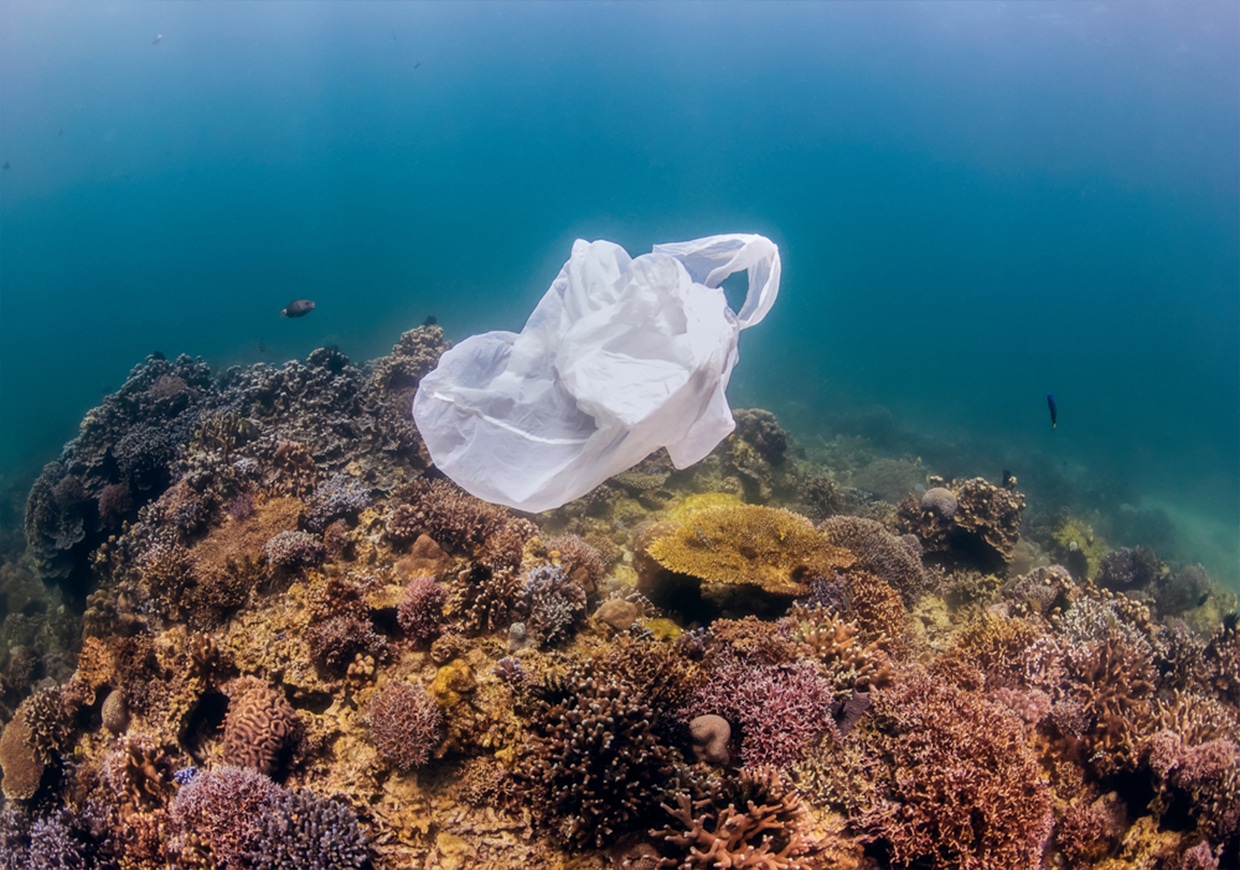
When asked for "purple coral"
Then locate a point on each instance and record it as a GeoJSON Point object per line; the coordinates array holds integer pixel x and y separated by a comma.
{"type": "Point", "coordinates": [223, 809]}
{"type": "Point", "coordinates": [420, 612]}
{"type": "Point", "coordinates": [301, 829]}
{"type": "Point", "coordinates": [405, 724]}
{"type": "Point", "coordinates": [552, 604]}
{"type": "Point", "coordinates": [779, 709]}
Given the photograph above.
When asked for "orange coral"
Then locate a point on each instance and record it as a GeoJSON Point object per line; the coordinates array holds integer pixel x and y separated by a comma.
{"type": "Point", "coordinates": [747, 544]}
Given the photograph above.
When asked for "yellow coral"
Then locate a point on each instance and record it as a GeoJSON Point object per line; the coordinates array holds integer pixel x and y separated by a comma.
{"type": "Point", "coordinates": [687, 507]}
{"type": "Point", "coordinates": [1074, 534]}
{"type": "Point", "coordinates": [746, 544]}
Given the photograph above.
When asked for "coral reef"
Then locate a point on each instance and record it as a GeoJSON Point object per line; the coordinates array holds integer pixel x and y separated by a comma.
{"type": "Point", "coordinates": [257, 574]}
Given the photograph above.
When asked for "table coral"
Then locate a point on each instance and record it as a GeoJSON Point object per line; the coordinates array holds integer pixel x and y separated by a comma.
{"type": "Point", "coordinates": [774, 552]}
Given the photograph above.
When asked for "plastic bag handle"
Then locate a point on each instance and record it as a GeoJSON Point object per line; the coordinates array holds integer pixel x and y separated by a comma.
{"type": "Point", "coordinates": [712, 259]}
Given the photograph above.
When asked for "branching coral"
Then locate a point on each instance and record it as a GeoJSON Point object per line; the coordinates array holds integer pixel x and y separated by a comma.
{"type": "Point", "coordinates": [594, 763]}
{"type": "Point", "coordinates": [753, 822]}
{"type": "Point", "coordinates": [405, 724]}
{"type": "Point", "coordinates": [300, 829]}
{"type": "Point", "coordinates": [964, 790]}
{"type": "Point", "coordinates": [420, 612]}
{"type": "Point", "coordinates": [552, 604]}
{"type": "Point", "coordinates": [778, 709]}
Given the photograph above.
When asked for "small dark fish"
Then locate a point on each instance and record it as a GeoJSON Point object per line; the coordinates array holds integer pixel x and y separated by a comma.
{"type": "Point", "coordinates": [1050, 403]}
{"type": "Point", "coordinates": [1009, 479]}
{"type": "Point", "coordinates": [262, 346]}
{"type": "Point", "coordinates": [297, 308]}
{"type": "Point", "coordinates": [416, 64]}
{"type": "Point", "coordinates": [430, 320]}
{"type": "Point", "coordinates": [6, 164]}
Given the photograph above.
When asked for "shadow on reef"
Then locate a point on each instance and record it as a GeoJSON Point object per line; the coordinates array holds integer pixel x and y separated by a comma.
{"type": "Point", "coordinates": [287, 641]}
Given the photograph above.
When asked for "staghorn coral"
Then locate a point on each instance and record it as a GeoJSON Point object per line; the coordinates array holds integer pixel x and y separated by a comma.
{"type": "Point", "coordinates": [1113, 681]}
{"type": "Point", "coordinates": [405, 724]}
{"type": "Point", "coordinates": [964, 790]}
{"type": "Point", "coordinates": [890, 557]}
{"type": "Point", "coordinates": [850, 664]}
{"type": "Point", "coordinates": [752, 822]}
{"type": "Point", "coordinates": [458, 522]}
{"type": "Point", "coordinates": [743, 557]}
{"type": "Point", "coordinates": [260, 727]}
{"type": "Point", "coordinates": [594, 763]}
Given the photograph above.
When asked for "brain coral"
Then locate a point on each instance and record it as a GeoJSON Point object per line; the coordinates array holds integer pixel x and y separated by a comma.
{"type": "Point", "coordinates": [774, 549]}
{"type": "Point", "coordinates": [259, 727]}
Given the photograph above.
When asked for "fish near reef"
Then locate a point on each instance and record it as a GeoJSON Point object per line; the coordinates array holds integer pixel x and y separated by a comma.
{"type": "Point", "coordinates": [297, 308]}
{"type": "Point", "coordinates": [1050, 403]}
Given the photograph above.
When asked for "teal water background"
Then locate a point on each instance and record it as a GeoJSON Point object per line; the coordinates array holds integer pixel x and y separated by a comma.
{"type": "Point", "coordinates": [976, 203]}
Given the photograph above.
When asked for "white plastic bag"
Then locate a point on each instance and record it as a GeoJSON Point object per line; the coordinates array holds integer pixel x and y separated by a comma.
{"type": "Point", "coordinates": [621, 356]}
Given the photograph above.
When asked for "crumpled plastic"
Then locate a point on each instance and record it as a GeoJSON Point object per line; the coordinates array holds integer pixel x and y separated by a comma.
{"type": "Point", "coordinates": [623, 355]}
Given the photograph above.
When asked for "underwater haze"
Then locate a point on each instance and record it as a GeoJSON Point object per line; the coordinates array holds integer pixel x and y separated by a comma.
{"type": "Point", "coordinates": [976, 204]}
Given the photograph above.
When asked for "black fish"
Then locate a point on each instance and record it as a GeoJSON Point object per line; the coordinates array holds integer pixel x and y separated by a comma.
{"type": "Point", "coordinates": [297, 308]}
{"type": "Point", "coordinates": [1050, 403]}
{"type": "Point", "coordinates": [430, 320]}
{"type": "Point", "coordinates": [6, 164]}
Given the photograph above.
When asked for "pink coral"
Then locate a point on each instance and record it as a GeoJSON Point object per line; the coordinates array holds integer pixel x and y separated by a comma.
{"type": "Point", "coordinates": [405, 724]}
{"type": "Point", "coordinates": [779, 709]}
{"type": "Point", "coordinates": [964, 790]}
{"type": "Point", "coordinates": [420, 612]}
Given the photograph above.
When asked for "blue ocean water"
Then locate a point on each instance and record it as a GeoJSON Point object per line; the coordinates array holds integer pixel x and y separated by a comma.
{"type": "Point", "coordinates": [977, 204]}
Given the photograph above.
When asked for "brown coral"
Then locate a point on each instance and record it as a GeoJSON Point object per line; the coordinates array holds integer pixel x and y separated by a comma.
{"type": "Point", "coordinates": [894, 559]}
{"type": "Point", "coordinates": [259, 728]}
{"type": "Point", "coordinates": [964, 790]}
{"type": "Point", "coordinates": [980, 533]}
{"type": "Point", "coordinates": [19, 760]}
